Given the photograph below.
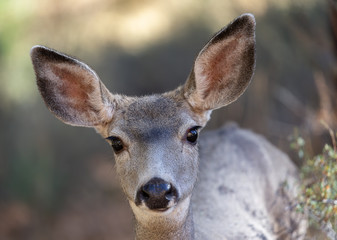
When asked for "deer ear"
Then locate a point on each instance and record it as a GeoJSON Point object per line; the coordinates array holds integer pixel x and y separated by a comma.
{"type": "Point", "coordinates": [224, 67]}
{"type": "Point", "coordinates": [71, 89]}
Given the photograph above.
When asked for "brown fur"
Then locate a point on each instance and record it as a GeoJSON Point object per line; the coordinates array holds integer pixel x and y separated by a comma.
{"type": "Point", "coordinates": [70, 88]}
{"type": "Point", "coordinates": [224, 67]}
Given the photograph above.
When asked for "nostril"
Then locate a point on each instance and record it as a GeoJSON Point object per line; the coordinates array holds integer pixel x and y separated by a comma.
{"type": "Point", "coordinates": [169, 194]}
{"type": "Point", "coordinates": [144, 195]}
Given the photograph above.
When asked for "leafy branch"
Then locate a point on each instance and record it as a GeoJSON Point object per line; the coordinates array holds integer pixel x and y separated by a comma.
{"type": "Point", "coordinates": [318, 195]}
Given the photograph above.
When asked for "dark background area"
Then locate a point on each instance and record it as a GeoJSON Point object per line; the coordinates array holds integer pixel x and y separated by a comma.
{"type": "Point", "coordinates": [58, 181]}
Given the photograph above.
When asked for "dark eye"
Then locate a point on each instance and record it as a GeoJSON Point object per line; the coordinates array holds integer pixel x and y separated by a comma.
{"type": "Point", "coordinates": [116, 144]}
{"type": "Point", "coordinates": [192, 135]}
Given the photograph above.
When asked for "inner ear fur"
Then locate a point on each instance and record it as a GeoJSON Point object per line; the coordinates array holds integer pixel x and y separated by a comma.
{"type": "Point", "coordinates": [224, 67]}
{"type": "Point", "coordinates": [71, 89]}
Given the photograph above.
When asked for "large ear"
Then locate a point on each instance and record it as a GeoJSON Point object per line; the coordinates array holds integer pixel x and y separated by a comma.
{"type": "Point", "coordinates": [224, 67]}
{"type": "Point", "coordinates": [70, 89]}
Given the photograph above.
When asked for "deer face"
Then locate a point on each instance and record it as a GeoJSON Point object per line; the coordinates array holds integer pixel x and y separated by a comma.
{"type": "Point", "coordinates": [155, 141]}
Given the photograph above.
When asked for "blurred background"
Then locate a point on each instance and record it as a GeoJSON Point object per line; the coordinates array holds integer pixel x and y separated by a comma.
{"type": "Point", "coordinates": [57, 181]}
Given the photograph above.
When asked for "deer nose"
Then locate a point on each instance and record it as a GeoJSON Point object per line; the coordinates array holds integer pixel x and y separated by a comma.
{"type": "Point", "coordinates": [157, 194]}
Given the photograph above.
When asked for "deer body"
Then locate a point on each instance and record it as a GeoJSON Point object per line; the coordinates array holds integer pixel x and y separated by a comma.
{"type": "Point", "coordinates": [244, 185]}
{"type": "Point", "coordinates": [239, 193]}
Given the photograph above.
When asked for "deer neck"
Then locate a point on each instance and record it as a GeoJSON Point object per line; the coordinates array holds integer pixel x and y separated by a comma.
{"type": "Point", "coordinates": [177, 224]}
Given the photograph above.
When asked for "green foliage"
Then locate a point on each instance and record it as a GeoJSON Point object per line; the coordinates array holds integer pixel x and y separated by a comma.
{"type": "Point", "coordinates": [318, 194]}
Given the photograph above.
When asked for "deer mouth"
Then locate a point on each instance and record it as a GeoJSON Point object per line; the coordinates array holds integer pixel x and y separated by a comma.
{"type": "Point", "coordinates": [160, 209]}
{"type": "Point", "coordinates": [157, 210]}
{"type": "Point", "coordinates": [173, 209]}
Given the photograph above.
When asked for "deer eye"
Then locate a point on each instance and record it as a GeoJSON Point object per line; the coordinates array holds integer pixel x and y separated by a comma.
{"type": "Point", "coordinates": [116, 143]}
{"type": "Point", "coordinates": [192, 135]}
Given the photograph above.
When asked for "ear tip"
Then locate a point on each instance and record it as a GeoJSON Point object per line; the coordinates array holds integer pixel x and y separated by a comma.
{"type": "Point", "coordinates": [40, 54]}
{"type": "Point", "coordinates": [37, 50]}
{"type": "Point", "coordinates": [249, 16]}
{"type": "Point", "coordinates": [248, 19]}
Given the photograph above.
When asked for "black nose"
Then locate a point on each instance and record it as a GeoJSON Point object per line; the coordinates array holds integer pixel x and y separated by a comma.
{"type": "Point", "coordinates": [156, 194]}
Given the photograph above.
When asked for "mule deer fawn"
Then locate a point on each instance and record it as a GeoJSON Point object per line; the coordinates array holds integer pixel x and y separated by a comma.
{"type": "Point", "coordinates": [240, 191]}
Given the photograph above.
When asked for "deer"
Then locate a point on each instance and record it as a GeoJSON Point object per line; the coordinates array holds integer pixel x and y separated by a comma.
{"type": "Point", "coordinates": [230, 183]}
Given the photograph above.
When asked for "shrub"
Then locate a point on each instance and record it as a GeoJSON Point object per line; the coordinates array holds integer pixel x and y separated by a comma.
{"type": "Point", "coordinates": [318, 195]}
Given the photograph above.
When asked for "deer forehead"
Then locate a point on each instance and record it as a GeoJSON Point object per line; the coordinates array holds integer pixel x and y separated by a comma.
{"type": "Point", "coordinates": [152, 118]}
{"type": "Point", "coordinates": [157, 110]}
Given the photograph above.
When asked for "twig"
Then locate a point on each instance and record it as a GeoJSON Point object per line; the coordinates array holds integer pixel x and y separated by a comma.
{"type": "Point", "coordinates": [332, 135]}
{"type": "Point", "coordinates": [326, 227]}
